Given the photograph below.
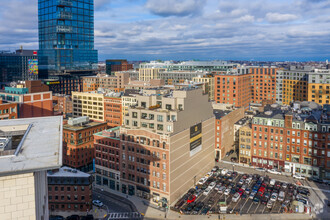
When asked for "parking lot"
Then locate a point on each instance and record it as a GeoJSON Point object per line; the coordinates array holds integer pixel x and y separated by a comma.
{"type": "Point", "coordinates": [224, 191]}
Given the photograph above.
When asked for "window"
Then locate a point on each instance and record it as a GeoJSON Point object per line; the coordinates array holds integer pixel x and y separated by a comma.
{"type": "Point", "coordinates": [164, 166]}
{"type": "Point", "coordinates": [160, 118]}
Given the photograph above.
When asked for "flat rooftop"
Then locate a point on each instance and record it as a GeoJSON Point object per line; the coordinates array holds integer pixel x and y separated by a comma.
{"type": "Point", "coordinates": [82, 127]}
{"type": "Point", "coordinates": [40, 147]}
{"type": "Point", "coordinates": [67, 172]}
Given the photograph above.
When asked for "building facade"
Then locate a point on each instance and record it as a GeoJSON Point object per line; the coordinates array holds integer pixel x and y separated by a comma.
{"type": "Point", "coordinates": [66, 37]}
{"type": "Point", "coordinates": [245, 142]}
{"type": "Point", "coordinates": [65, 84]}
{"type": "Point", "coordinates": [319, 86]}
{"type": "Point", "coordinates": [208, 84]}
{"type": "Point", "coordinates": [160, 140]}
{"type": "Point", "coordinates": [8, 110]}
{"type": "Point", "coordinates": [78, 148]}
{"type": "Point", "coordinates": [235, 89]}
{"type": "Point", "coordinates": [113, 113]}
{"type": "Point", "coordinates": [88, 104]}
{"type": "Point", "coordinates": [69, 190]}
{"type": "Point", "coordinates": [113, 66]}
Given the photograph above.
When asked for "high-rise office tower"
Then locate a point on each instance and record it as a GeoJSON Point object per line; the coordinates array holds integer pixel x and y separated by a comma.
{"type": "Point", "coordinates": [66, 37]}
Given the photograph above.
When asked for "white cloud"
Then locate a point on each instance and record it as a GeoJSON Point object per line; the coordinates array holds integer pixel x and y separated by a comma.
{"type": "Point", "coordinates": [280, 18]}
{"type": "Point", "coordinates": [174, 7]}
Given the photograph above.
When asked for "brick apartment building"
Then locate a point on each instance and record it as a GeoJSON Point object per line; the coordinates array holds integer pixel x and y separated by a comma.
{"type": "Point", "coordinates": [62, 104]}
{"type": "Point", "coordinates": [78, 148]}
{"type": "Point", "coordinates": [263, 83]}
{"type": "Point", "coordinates": [69, 190]}
{"type": "Point", "coordinates": [160, 142]}
{"type": "Point", "coordinates": [113, 113]}
{"type": "Point", "coordinates": [293, 139]}
{"type": "Point", "coordinates": [235, 89]}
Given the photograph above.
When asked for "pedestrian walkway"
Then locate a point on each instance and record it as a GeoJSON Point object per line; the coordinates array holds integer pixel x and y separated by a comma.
{"type": "Point", "coordinates": [125, 215]}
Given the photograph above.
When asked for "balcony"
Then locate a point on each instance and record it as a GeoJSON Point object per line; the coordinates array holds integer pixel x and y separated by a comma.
{"type": "Point", "coordinates": [63, 29]}
{"type": "Point", "coordinates": [64, 3]}
{"type": "Point", "coordinates": [64, 15]}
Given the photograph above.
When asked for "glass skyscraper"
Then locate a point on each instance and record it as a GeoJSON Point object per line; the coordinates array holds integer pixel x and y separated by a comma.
{"type": "Point", "coordinates": [66, 37]}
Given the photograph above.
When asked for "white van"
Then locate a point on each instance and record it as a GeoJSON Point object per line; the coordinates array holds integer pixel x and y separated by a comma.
{"type": "Point", "coordinates": [272, 182]}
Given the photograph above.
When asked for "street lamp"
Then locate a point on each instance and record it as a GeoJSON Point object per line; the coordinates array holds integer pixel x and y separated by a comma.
{"type": "Point", "coordinates": [194, 180]}
{"type": "Point", "coordinates": [233, 167]}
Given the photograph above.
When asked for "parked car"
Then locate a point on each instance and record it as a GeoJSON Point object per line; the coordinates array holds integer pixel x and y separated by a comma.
{"type": "Point", "coordinates": [205, 210]}
{"type": "Point", "coordinates": [224, 171]}
{"type": "Point", "coordinates": [248, 191]}
{"type": "Point", "coordinates": [56, 217]}
{"type": "Point", "coordinates": [227, 154]}
{"type": "Point", "coordinates": [73, 217]}
{"type": "Point", "coordinates": [264, 200]}
{"type": "Point", "coordinates": [191, 199]}
{"type": "Point", "coordinates": [234, 174]}
{"type": "Point", "coordinates": [240, 191]}
{"type": "Point", "coordinates": [274, 197]}
{"type": "Point", "coordinates": [284, 185]}
{"type": "Point", "coordinates": [261, 169]}
{"type": "Point", "coordinates": [299, 177]}
{"type": "Point", "coordinates": [272, 182]}
{"type": "Point", "coordinates": [274, 171]}
{"type": "Point", "coordinates": [256, 199]}
{"type": "Point", "coordinates": [207, 191]}
{"type": "Point", "coordinates": [202, 181]}
{"type": "Point", "coordinates": [252, 195]}
{"type": "Point", "coordinates": [281, 196]}
{"type": "Point", "coordinates": [222, 189]}
{"type": "Point", "coordinates": [270, 204]}
{"type": "Point", "coordinates": [97, 203]}
{"type": "Point", "coordinates": [215, 169]}
{"type": "Point", "coordinates": [227, 191]}
{"type": "Point", "coordinates": [236, 197]}
{"type": "Point", "coordinates": [212, 185]}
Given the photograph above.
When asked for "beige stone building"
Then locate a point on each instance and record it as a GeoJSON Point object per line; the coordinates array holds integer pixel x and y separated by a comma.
{"type": "Point", "coordinates": [245, 142]}
{"type": "Point", "coordinates": [29, 147]}
{"type": "Point", "coordinates": [146, 74]}
{"type": "Point", "coordinates": [175, 134]}
{"type": "Point", "coordinates": [89, 104]}
{"type": "Point", "coordinates": [117, 81]}
{"type": "Point", "coordinates": [208, 84]}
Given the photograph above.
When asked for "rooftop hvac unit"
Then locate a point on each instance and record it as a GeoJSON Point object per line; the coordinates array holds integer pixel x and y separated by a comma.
{"type": "Point", "coordinates": [78, 121]}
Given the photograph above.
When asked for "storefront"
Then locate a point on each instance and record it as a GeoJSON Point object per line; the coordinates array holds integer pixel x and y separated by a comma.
{"type": "Point", "coordinates": [143, 192]}
{"type": "Point", "coordinates": [302, 169]}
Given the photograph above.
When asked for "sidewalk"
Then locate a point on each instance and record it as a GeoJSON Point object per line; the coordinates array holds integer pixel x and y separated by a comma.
{"type": "Point", "coordinates": [138, 204]}
{"type": "Point", "coordinates": [96, 212]}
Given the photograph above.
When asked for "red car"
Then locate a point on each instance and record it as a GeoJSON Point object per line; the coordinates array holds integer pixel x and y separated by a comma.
{"type": "Point", "coordinates": [240, 191]}
{"type": "Point", "coordinates": [191, 199]}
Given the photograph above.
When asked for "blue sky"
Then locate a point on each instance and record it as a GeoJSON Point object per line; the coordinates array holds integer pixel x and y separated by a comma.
{"type": "Point", "coordinates": [191, 29]}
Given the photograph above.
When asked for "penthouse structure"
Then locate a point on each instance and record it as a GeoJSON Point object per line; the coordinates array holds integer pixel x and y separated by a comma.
{"type": "Point", "coordinates": [29, 147]}
{"type": "Point", "coordinates": [293, 139]}
{"type": "Point", "coordinates": [162, 138]}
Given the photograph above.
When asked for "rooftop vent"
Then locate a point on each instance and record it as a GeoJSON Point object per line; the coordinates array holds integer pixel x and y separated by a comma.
{"type": "Point", "coordinates": [78, 121]}
{"type": "Point", "coordinates": [268, 112]}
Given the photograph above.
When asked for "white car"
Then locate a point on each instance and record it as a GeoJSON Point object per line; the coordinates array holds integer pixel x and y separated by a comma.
{"type": "Point", "coordinates": [227, 191]}
{"type": "Point", "coordinates": [248, 180]}
{"type": "Point", "coordinates": [212, 185]}
{"type": "Point", "coordinates": [229, 173]}
{"type": "Point", "coordinates": [209, 174]}
{"type": "Point", "coordinates": [224, 171]}
{"type": "Point", "coordinates": [97, 203]}
{"type": "Point", "coordinates": [217, 187]}
{"type": "Point", "coordinates": [261, 169]}
{"type": "Point", "coordinates": [252, 195]}
{"type": "Point", "coordinates": [272, 182]}
{"type": "Point", "coordinates": [299, 177]}
{"type": "Point", "coordinates": [244, 187]}
{"type": "Point", "coordinates": [281, 196]}
{"type": "Point", "coordinates": [236, 197]}
{"type": "Point", "coordinates": [273, 197]}
{"type": "Point", "coordinates": [270, 204]}
{"type": "Point", "coordinates": [207, 191]}
{"type": "Point", "coordinates": [222, 189]}
{"type": "Point", "coordinates": [273, 171]}
{"type": "Point", "coordinates": [202, 181]}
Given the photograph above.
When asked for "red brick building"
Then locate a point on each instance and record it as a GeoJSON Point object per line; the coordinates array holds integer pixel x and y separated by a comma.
{"type": "Point", "coordinates": [113, 111]}
{"type": "Point", "coordinates": [117, 65]}
{"type": "Point", "coordinates": [78, 148]}
{"type": "Point", "coordinates": [263, 83]}
{"type": "Point", "coordinates": [108, 156]}
{"type": "Point", "coordinates": [8, 110]}
{"type": "Point", "coordinates": [62, 104]}
{"type": "Point", "coordinates": [69, 190]}
{"type": "Point", "coordinates": [233, 89]}
{"type": "Point", "coordinates": [292, 142]}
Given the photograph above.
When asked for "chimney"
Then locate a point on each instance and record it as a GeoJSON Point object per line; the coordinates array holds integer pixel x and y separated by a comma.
{"type": "Point", "coordinates": [288, 120]}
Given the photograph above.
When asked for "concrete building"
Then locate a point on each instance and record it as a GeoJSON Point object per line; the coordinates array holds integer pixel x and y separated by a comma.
{"type": "Point", "coordinates": [30, 147]}
{"type": "Point", "coordinates": [29, 104]}
{"type": "Point", "coordinates": [139, 85]}
{"type": "Point", "coordinates": [162, 138]}
{"type": "Point", "coordinates": [224, 130]}
{"type": "Point", "coordinates": [69, 190]}
{"type": "Point", "coordinates": [147, 74]}
{"type": "Point", "coordinates": [319, 86]}
{"type": "Point", "coordinates": [127, 100]}
{"type": "Point", "coordinates": [78, 149]}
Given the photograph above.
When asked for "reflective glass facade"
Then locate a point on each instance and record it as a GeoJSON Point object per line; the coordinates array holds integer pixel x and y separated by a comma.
{"type": "Point", "coordinates": [66, 35]}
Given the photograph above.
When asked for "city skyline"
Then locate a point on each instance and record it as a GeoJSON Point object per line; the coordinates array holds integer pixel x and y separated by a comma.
{"type": "Point", "coordinates": [196, 29]}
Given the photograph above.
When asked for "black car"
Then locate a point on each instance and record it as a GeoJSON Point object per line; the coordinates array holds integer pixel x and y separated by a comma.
{"type": "Point", "coordinates": [197, 208]}
{"type": "Point", "coordinates": [234, 174]}
{"type": "Point", "coordinates": [73, 217]}
{"type": "Point", "coordinates": [317, 180]}
{"type": "Point", "coordinates": [180, 203]}
{"type": "Point", "coordinates": [211, 201]}
{"type": "Point", "coordinates": [227, 154]}
{"type": "Point", "coordinates": [56, 217]}
{"type": "Point", "coordinates": [231, 151]}
{"type": "Point", "coordinates": [264, 200]}
{"type": "Point", "coordinates": [205, 210]}
{"type": "Point", "coordinates": [256, 199]}
{"type": "Point", "coordinates": [244, 196]}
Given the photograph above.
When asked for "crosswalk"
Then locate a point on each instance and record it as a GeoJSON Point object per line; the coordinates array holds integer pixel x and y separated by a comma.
{"type": "Point", "coordinates": [125, 215]}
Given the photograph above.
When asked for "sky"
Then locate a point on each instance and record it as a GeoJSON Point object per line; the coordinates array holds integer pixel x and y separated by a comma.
{"type": "Point", "coordinates": [265, 30]}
